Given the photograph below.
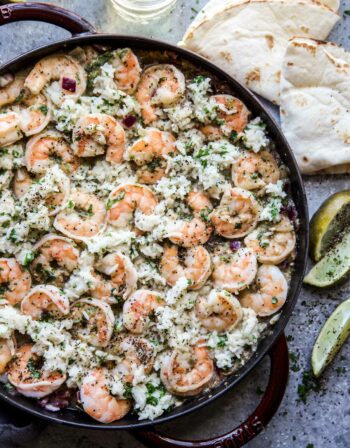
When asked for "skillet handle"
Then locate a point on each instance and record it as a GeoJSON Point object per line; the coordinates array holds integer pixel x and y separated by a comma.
{"type": "Point", "coordinates": [251, 427]}
{"type": "Point", "coordinates": [14, 12]}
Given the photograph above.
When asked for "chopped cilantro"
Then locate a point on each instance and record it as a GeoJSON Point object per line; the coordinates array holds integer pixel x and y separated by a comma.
{"type": "Point", "coordinates": [156, 163]}
{"type": "Point", "coordinates": [44, 109]}
{"type": "Point", "coordinates": [111, 202]}
{"type": "Point", "coordinates": [90, 210]}
{"type": "Point", "coordinates": [222, 342]}
{"type": "Point", "coordinates": [29, 257]}
{"type": "Point", "coordinates": [199, 79]}
{"type": "Point", "coordinates": [128, 390]}
{"type": "Point", "coordinates": [259, 391]}
{"type": "Point", "coordinates": [8, 387]}
{"type": "Point", "coordinates": [204, 214]}
{"type": "Point", "coordinates": [13, 236]}
{"type": "Point", "coordinates": [32, 367]}
{"type": "Point", "coordinates": [233, 136]}
{"type": "Point", "coordinates": [308, 384]}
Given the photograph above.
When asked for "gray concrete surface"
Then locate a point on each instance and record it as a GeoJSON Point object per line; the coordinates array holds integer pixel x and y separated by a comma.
{"type": "Point", "coordinates": [324, 420]}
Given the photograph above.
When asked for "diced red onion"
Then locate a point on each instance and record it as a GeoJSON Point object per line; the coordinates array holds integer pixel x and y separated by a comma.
{"type": "Point", "coordinates": [69, 84]}
{"type": "Point", "coordinates": [290, 211]}
{"type": "Point", "coordinates": [129, 121]}
{"type": "Point", "coordinates": [287, 187]}
{"type": "Point", "coordinates": [235, 245]}
{"type": "Point", "coordinates": [56, 401]}
{"type": "Point", "coordinates": [285, 264]}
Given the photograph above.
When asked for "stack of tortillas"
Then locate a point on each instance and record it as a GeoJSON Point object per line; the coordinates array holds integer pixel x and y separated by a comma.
{"type": "Point", "coordinates": [248, 39]}
{"type": "Point", "coordinates": [315, 105]}
{"type": "Point", "coordinates": [272, 46]}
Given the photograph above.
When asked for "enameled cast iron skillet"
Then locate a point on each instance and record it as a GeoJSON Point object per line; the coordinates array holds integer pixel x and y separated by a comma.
{"type": "Point", "coordinates": [275, 345]}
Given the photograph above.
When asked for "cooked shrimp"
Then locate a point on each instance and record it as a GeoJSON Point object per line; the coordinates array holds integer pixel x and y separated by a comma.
{"type": "Point", "coordinates": [6, 79]}
{"type": "Point", "coordinates": [84, 55]}
{"type": "Point", "coordinates": [137, 352]}
{"type": "Point", "coordinates": [125, 200]}
{"type": "Point", "coordinates": [57, 67]}
{"type": "Point", "coordinates": [12, 91]}
{"type": "Point", "coordinates": [188, 374]}
{"type": "Point", "coordinates": [83, 217]}
{"type": "Point", "coordinates": [160, 85]}
{"type": "Point", "coordinates": [197, 266]}
{"type": "Point", "coordinates": [44, 149]}
{"type": "Point", "coordinates": [272, 244]}
{"type": "Point", "coordinates": [138, 309]}
{"type": "Point", "coordinates": [127, 70]}
{"type": "Point", "coordinates": [123, 278]}
{"type": "Point", "coordinates": [234, 272]}
{"type": "Point", "coordinates": [55, 259]}
{"type": "Point", "coordinates": [7, 351]}
{"type": "Point", "coordinates": [10, 131]}
{"type": "Point", "coordinates": [93, 321]}
{"type": "Point", "coordinates": [220, 311]}
{"type": "Point", "coordinates": [30, 380]}
{"type": "Point", "coordinates": [237, 214]}
{"type": "Point", "coordinates": [95, 133]}
{"type": "Point", "coordinates": [35, 114]}
{"type": "Point", "coordinates": [23, 182]}
{"type": "Point", "coordinates": [149, 153]}
{"type": "Point", "coordinates": [45, 299]}
{"type": "Point", "coordinates": [97, 400]}
{"type": "Point", "coordinates": [254, 171]}
{"type": "Point", "coordinates": [198, 230]}
{"type": "Point", "coordinates": [102, 289]}
{"type": "Point", "coordinates": [232, 115]}
{"type": "Point", "coordinates": [14, 282]}
{"type": "Point", "coordinates": [271, 294]}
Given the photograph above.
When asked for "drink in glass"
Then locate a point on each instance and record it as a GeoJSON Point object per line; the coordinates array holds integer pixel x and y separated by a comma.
{"type": "Point", "coordinates": [142, 9]}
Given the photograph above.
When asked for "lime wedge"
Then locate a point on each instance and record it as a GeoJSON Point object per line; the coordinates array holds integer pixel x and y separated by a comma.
{"type": "Point", "coordinates": [328, 222]}
{"type": "Point", "coordinates": [333, 267]}
{"type": "Point", "coordinates": [331, 338]}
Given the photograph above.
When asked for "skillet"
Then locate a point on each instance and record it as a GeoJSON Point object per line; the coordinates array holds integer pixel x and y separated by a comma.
{"type": "Point", "coordinates": [274, 344]}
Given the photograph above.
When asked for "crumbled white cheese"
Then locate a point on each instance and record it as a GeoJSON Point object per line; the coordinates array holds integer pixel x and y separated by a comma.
{"type": "Point", "coordinates": [146, 223]}
{"type": "Point", "coordinates": [276, 189]}
{"type": "Point", "coordinates": [173, 188]}
{"type": "Point", "coordinates": [148, 273]}
{"type": "Point", "coordinates": [271, 210]}
{"type": "Point", "coordinates": [82, 279]}
{"type": "Point", "coordinates": [54, 181]}
{"type": "Point", "coordinates": [11, 319]}
{"type": "Point", "coordinates": [151, 399]}
{"type": "Point", "coordinates": [231, 345]}
{"type": "Point", "coordinates": [5, 178]}
{"type": "Point", "coordinates": [12, 157]}
{"type": "Point", "coordinates": [205, 107]}
{"type": "Point", "coordinates": [254, 135]}
{"type": "Point", "coordinates": [109, 240]}
{"type": "Point", "coordinates": [177, 290]}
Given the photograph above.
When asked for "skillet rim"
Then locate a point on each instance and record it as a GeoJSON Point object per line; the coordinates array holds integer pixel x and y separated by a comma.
{"type": "Point", "coordinates": [299, 198]}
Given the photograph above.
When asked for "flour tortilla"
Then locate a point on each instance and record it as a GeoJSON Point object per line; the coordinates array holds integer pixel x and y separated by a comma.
{"type": "Point", "coordinates": [248, 39]}
{"type": "Point", "coordinates": [214, 6]}
{"type": "Point", "coordinates": [315, 105]}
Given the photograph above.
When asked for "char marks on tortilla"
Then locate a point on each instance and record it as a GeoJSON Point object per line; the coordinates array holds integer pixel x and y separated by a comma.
{"type": "Point", "coordinates": [248, 39]}
{"type": "Point", "coordinates": [315, 105]}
